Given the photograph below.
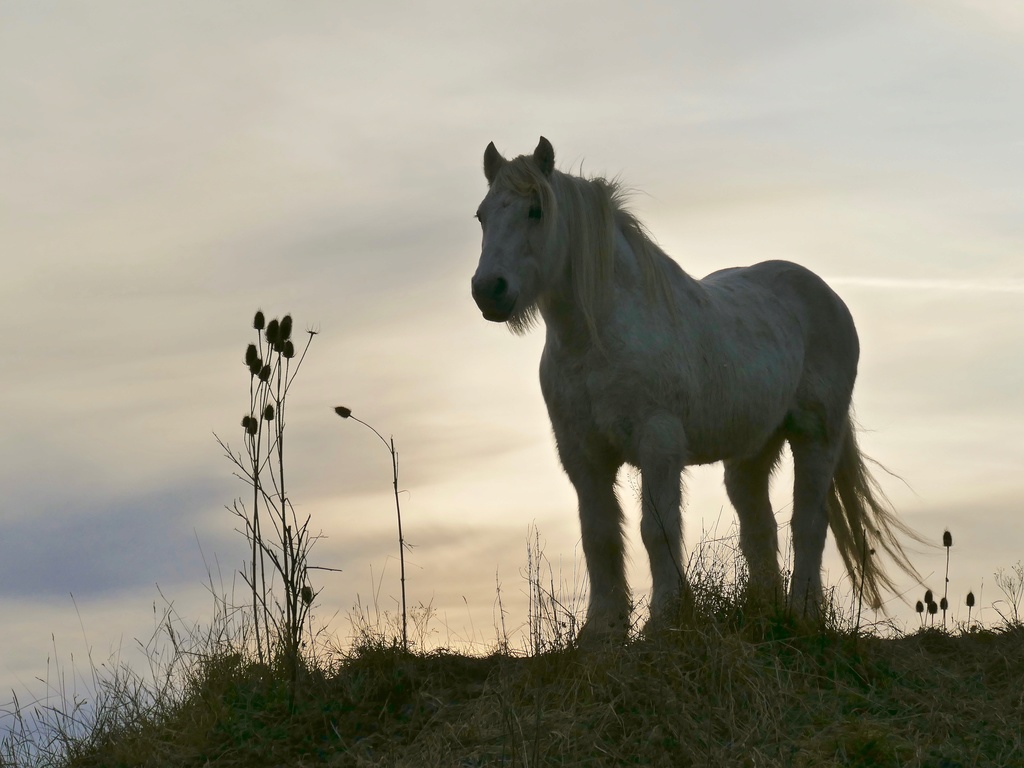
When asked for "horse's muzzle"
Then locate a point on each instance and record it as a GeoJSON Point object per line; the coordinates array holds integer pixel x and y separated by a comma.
{"type": "Point", "coordinates": [494, 298]}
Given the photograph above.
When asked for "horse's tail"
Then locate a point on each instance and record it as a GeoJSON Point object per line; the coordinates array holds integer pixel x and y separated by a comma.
{"type": "Point", "coordinates": [865, 525]}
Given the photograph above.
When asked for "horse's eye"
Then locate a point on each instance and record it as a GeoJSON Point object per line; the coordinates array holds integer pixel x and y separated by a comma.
{"type": "Point", "coordinates": [535, 212]}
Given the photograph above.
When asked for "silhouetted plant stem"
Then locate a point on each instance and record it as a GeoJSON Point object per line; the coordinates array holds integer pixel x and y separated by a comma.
{"type": "Point", "coordinates": [865, 552]}
{"type": "Point", "coordinates": [278, 622]}
{"type": "Point", "coordinates": [947, 542]}
{"type": "Point", "coordinates": [346, 413]}
{"type": "Point", "coordinates": [257, 561]}
{"type": "Point", "coordinates": [401, 544]}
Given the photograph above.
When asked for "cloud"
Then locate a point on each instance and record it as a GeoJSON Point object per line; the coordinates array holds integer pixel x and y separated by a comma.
{"type": "Point", "coordinates": [168, 170]}
{"type": "Point", "coordinates": [95, 545]}
{"type": "Point", "coordinates": [982, 286]}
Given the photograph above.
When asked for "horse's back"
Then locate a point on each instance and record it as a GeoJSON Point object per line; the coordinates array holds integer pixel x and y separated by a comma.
{"type": "Point", "coordinates": [800, 301]}
{"type": "Point", "coordinates": [776, 276]}
{"type": "Point", "coordinates": [790, 292]}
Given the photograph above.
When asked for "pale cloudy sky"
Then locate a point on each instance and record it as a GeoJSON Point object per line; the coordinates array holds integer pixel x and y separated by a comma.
{"type": "Point", "coordinates": [167, 168]}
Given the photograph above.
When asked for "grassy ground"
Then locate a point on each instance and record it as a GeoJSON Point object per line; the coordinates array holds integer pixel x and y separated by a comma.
{"type": "Point", "coordinates": [729, 688]}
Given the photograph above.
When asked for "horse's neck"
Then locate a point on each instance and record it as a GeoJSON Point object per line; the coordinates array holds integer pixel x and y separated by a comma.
{"type": "Point", "coordinates": [650, 281]}
{"type": "Point", "coordinates": [564, 322]}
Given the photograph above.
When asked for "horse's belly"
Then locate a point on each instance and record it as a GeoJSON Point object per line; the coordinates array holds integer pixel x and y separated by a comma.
{"type": "Point", "coordinates": [730, 442]}
{"type": "Point", "coordinates": [717, 418]}
{"type": "Point", "coordinates": [714, 426]}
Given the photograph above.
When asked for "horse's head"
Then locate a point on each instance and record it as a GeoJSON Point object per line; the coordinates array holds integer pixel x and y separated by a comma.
{"type": "Point", "coordinates": [516, 216]}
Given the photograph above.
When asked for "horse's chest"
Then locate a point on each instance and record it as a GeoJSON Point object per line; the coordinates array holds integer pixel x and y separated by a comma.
{"type": "Point", "coordinates": [583, 399]}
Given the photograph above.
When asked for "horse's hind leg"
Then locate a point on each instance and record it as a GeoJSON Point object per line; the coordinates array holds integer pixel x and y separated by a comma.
{"type": "Point", "coordinates": [814, 462]}
{"type": "Point", "coordinates": [747, 483]}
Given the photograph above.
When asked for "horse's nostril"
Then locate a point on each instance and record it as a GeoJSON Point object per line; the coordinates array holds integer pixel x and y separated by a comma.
{"type": "Point", "coordinates": [500, 287]}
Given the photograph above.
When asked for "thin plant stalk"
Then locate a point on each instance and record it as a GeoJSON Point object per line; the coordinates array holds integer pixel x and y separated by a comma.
{"type": "Point", "coordinates": [401, 544]}
{"type": "Point", "coordinates": [865, 553]}
{"type": "Point", "coordinates": [947, 542]}
{"type": "Point", "coordinates": [278, 622]}
{"type": "Point", "coordinates": [346, 413]}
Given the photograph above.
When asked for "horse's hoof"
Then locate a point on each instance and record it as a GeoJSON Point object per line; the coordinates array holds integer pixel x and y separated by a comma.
{"type": "Point", "coordinates": [601, 633]}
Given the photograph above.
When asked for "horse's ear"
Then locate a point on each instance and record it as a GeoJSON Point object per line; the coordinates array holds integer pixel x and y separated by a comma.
{"type": "Point", "coordinates": [493, 161]}
{"type": "Point", "coordinates": [544, 156]}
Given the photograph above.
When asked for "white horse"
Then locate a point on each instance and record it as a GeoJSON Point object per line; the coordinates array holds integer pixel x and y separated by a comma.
{"type": "Point", "coordinates": [645, 365]}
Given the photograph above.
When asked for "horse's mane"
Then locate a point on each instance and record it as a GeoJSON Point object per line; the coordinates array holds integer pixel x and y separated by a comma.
{"type": "Point", "coordinates": [592, 209]}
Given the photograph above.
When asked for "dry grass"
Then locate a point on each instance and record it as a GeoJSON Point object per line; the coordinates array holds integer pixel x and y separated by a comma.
{"type": "Point", "coordinates": [731, 687]}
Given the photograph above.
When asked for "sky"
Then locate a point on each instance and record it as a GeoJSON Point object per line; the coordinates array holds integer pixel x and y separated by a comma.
{"type": "Point", "coordinates": [166, 169]}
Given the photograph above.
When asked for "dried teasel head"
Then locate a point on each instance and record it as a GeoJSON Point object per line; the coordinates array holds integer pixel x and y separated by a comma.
{"type": "Point", "coordinates": [265, 373]}
{"type": "Point", "coordinates": [268, 412]}
{"type": "Point", "coordinates": [933, 607]}
{"type": "Point", "coordinates": [273, 331]}
{"type": "Point", "coordinates": [928, 596]}
{"type": "Point", "coordinates": [289, 350]}
{"type": "Point", "coordinates": [307, 594]}
{"type": "Point", "coordinates": [258, 321]}
{"type": "Point", "coordinates": [919, 607]}
{"type": "Point", "coordinates": [970, 599]}
{"type": "Point", "coordinates": [947, 539]}
{"type": "Point", "coordinates": [342, 411]}
{"type": "Point", "coordinates": [285, 329]}
{"type": "Point", "coordinates": [944, 604]}
{"type": "Point", "coordinates": [251, 355]}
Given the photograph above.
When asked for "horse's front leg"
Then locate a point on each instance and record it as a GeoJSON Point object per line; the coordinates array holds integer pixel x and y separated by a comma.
{"type": "Point", "coordinates": [603, 547]}
{"type": "Point", "coordinates": [662, 453]}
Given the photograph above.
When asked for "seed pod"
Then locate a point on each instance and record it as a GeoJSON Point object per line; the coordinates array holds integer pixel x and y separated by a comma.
{"type": "Point", "coordinates": [944, 604]}
{"type": "Point", "coordinates": [257, 322]}
{"type": "Point", "coordinates": [342, 411]}
{"type": "Point", "coordinates": [289, 350]}
{"type": "Point", "coordinates": [947, 539]}
{"type": "Point", "coordinates": [251, 355]}
{"type": "Point", "coordinates": [928, 596]}
{"type": "Point", "coordinates": [307, 595]}
{"type": "Point", "coordinates": [273, 329]}
{"type": "Point", "coordinates": [265, 373]}
{"type": "Point", "coordinates": [255, 366]}
{"type": "Point", "coordinates": [268, 412]}
{"type": "Point", "coordinates": [285, 329]}
{"type": "Point", "coordinates": [919, 607]}
{"type": "Point", "coordinates": [933, 607]}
